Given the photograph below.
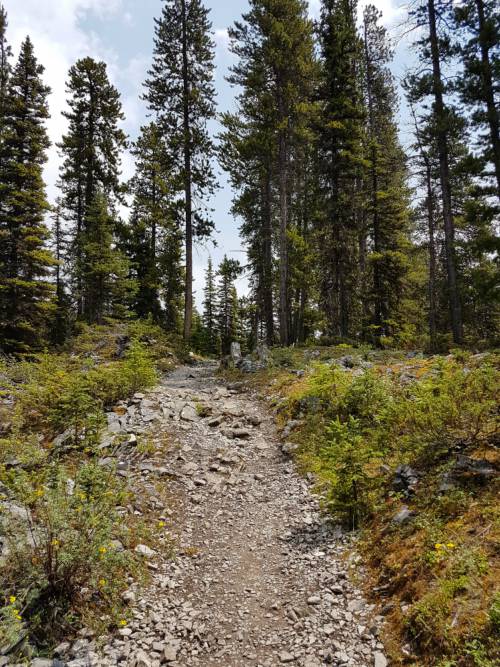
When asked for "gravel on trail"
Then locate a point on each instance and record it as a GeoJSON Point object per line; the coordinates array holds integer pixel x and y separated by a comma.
{"type": "Point", "coordinates": [260, 575]}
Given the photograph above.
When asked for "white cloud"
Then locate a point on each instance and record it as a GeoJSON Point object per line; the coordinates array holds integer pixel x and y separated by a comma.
{"type": "Point", "coordinates": [221, 38]}
{"type": "Point", "coordinates": [59, 41]}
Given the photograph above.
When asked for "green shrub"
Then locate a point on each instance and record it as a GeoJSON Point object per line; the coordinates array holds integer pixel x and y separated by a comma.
{"type": "Point", "coordinates": [120, 379]}
{"type": "Point", "coordinates": [62, 559]}
{"type": "Point", "coordinates": [450, 406]}
{"type": "Point", "coordinates": [344, 465]}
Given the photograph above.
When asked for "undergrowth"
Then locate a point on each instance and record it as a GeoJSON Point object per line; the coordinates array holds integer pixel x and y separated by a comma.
{"type": "Point", "coordinates": [361, 418]}
{"type": "Point", "coordinates": [67, 539]}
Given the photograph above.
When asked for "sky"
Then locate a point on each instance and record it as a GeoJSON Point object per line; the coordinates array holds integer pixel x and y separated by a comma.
{"type": "Point", "coordinates": [120, 32]}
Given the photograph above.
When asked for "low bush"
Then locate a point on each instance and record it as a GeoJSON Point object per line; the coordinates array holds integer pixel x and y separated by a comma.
{"type": "Point", "coordinates": [64, 560]}
{"type": "Point", "coordinates": [63, 522]}
{"type": "Point", "coordinates": [438, 562]}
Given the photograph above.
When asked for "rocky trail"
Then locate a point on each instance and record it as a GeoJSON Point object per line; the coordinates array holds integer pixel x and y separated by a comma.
{"type": "Point", "coordinates": [259, 575]}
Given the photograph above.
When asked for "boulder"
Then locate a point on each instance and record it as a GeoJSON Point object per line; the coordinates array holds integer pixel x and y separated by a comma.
{"type": "Point", "coordinates": [144, 550]}
{"type": "Point", "coordinates": [235, 353]}
{"type": "Point", "coordinates": [262, 352]}
{"type": "Point", "coordinates": [403, 516]}
{"type": "Point", "coordinates": [405, 480]}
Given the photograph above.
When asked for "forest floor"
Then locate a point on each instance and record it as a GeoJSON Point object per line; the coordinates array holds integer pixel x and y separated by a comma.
{"type": "Point", "coordinates": [260, 576]}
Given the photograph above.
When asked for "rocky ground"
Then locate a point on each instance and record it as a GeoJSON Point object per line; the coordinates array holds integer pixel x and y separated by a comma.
{"type": "Point", "coordinates": [259, 576]}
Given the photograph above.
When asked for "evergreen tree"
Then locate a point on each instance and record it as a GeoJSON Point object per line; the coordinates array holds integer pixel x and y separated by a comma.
{"type": "Point", "coordinates": [60, 324]}
{"type": "Point", "coordinates": [261, 145]}
{"type": "Point", "coordinates": [227, 303]}
{"type": "Point", "coordinates": [386, 220]}
{"type": "Point", "coordinates": [91, 155]}
{"type": "Point", "coordinates": [25, 263]}
{"type": "Point", "coordinates": [434, 50]}
{"type": "Point", "coordinates": [209, 310]}
{"type": "Point", "coordinates": [5, 71]}
{"type": "Point", "coordinates": [105, 284]}
{"type": "Point", "coordinates": [156, 244]}
{"type": "Point", "coordinates": [479, 84]}
{"type": "Point", "coordinates": [341, 142]}
{"type": "Point", "coordinates": [288, 48]}
{"type": "Point", "coordinates": [180, 91]}
{"type": "Point", "coordinates": [5, 68]}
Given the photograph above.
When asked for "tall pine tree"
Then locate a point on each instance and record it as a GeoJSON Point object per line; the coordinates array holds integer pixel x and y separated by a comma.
{"type": "Point", "coordinates": [91, 155]}
{"type": "Point", "coordinates": [341, 142]}
{"type": "Point", "coordinates": [210, 310]}
{"type": "Point", "coordinates": [387, 214]}
{"type": "Point", "coordinates": [180, 91]}
{"type": "Point", "coordinates": [25, 263]}
{"type": "Point", "coordinates": [156, 237]}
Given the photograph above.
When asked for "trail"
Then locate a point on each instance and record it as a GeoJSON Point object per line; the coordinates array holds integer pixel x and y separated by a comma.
{"type": "Point", "coordinates": [260, 575]}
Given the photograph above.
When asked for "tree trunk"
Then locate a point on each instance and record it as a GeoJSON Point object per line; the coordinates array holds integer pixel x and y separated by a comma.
{"type": "Point", "coordinates": [432, 257]}
{"type": "Point", "coordinates": [444, 173]}
{"type": "Point", "coordinates": [188, 206]}
{"type": "Point", "coordinates": [283, 243]}
{"type": "Point", "coordinates": [488, 90]}
{"type": "Point", "coordinates": [268, 261]}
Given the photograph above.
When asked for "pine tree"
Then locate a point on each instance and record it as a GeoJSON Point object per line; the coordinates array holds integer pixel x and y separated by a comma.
{"type": "Point", "coordinates": [91, 152]}
{"type": "Point", "coordinates": [209, 310]}
{"type": "Point", "coordinates": [180, 91]}
{"type": "Point", "coordinates": [60, 324]}
{"type": "Point", "coordinates": [5, 67]}
{"type": "Point", "coordinates": [25, 263]}
{"type": "Point", "coordinates": [155, 249]}
{"type": "Point", "coordinates": [480, 81]}
{"type": "Point", "coordinates": [227, 303]}
{"type": "Point", "coordinates": [261, 144]}
{"type": "Point", "coordinates": [433, 50]}
{"type": "Point", "coordinates": [386, 222]}
{"type": "Point", "coordinates": [341, 142]}
{"type": "Point", "coordinates": [288, 48]}
{"type": "Point", "coordinates": [105, 284]}
{"type": "Point", "coordinates": [5, 71]}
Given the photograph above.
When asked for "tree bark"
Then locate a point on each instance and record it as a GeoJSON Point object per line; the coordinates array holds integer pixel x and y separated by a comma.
{"type": "Point", "coordinates": [188, 206]}
{"type": "Point", "coordinates": [432, 256]}
{"type": "Point", "coordinates": [283, 242]}
{"type": "Point", "coordinates": [444, 173]}
{"type": "Point", "coordinates": [268, 260]}
{"type": "Point", "coordinates": [488, 89]}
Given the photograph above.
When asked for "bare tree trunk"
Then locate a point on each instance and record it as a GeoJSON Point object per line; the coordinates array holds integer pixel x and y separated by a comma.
{"type": "Point", "coordinates": [432, 256]}
{"type": "Point", "coordinates": [444, 173]}
{"type": "Point", "coordinates": [488, 89]}
{"type": "Point", "coordinates": [268, 261]}
{"type": "Point", "coordinates": [283, 242]}
{"type": "Point", "coordinates": [188, 206]}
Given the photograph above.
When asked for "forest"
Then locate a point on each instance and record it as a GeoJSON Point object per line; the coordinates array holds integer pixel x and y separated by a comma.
{"type": "Point", "coordinates": [349, 235]}
{"type": "Point", "coordinates": [315, 436]}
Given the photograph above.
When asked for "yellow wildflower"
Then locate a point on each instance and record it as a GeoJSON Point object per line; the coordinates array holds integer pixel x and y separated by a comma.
{"type": "Point", "coordinates": [19, 617]}
{"type": "Point", "coordinates": [161, 524]}
{"type": "Point", "coordinates": [450, 545]}
{"type": "Point", "coordinates": [39, 493]}
{"type": "Point", "coordinates": [12, 599]}
{"type": "Point", "coordinates": [55, 543]}
{"type": "Point", "coordinates": [102, 582]}
{"type": "Point", "coordinates": [102, 550]}
{"type": "Point", "coordinates": [438, 546]}
{"type": "Point", "coordinates": [123, 623]}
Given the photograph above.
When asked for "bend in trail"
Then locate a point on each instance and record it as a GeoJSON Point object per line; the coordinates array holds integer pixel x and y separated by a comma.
{"type": "Point", "coordinates": [259, 578]}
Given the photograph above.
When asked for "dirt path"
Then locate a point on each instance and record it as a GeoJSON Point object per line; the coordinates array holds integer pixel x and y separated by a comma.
{"type": "Point", "coordinates": [259, 577]}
